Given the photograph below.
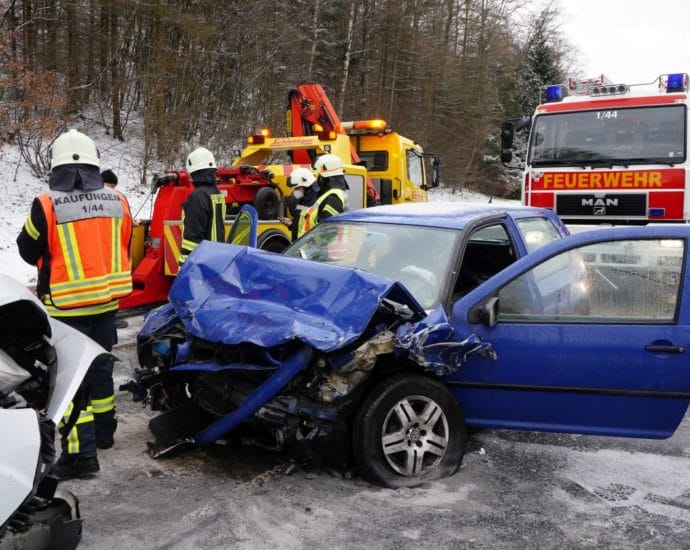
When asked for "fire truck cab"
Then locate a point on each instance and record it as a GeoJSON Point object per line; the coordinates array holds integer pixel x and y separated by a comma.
{"type": "Point", "coordinates": [605, 152]}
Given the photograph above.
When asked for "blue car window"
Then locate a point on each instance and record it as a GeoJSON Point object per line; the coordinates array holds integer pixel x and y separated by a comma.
{"type": "Point", "coordinates": [488, 251]}
{"type": "Point", "coordinates": [537, 232]}
{"type": "Point", "coordinates": [634, 281]}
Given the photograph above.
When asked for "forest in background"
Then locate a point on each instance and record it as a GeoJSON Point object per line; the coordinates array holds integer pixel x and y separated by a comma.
{"type": "Point", "coordinates": [209, 72]}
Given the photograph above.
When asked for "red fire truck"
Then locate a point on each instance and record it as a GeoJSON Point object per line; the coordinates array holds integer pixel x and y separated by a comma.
{"type": "Point", "coordinates": [601, 152]}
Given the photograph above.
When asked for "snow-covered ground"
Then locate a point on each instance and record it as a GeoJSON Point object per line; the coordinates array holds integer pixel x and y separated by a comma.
{"type": "Point", "coordinates": [18, 187]}
{"type": "Point", "coordinates": [513, 489]}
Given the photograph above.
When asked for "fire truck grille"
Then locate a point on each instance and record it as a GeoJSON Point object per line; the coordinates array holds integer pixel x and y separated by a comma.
{"type": "Point", "coordinates": [609, 205]}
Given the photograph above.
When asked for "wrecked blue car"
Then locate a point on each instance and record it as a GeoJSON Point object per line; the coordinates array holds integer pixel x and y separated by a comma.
{"type": "Point", "coordinates": [382, 334]}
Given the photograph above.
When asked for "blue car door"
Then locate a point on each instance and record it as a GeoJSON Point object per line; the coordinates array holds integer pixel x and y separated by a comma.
{"type": "Point", "coordinates": [591, 335]}
{"type": "Point", "coordinates": [244, 230]}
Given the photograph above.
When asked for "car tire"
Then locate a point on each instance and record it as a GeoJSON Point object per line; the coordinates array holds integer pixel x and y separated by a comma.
{"type": "Point", "coordinates": [273, 240]}
{"type": "Point", "coordinates": [266, 203]}
{"type": "Point", "coordinates": [407, 431]}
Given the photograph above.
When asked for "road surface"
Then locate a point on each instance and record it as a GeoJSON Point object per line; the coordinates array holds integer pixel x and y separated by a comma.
{"type": "Point", "coordinates": [514, 489]}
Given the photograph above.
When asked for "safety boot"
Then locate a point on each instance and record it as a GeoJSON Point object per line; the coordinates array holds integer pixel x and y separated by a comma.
{"type": "Point", "coordinates": [76, 466]}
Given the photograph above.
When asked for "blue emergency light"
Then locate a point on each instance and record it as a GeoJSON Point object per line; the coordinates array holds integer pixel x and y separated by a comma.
{"type": "Point", "coordinates": [554, 93]}
{"type": "Point", "coordinates": [676, 83]}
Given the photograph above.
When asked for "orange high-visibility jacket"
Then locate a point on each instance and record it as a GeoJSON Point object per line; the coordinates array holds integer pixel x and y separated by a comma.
{"type": "Point", "coordinates": [88, 235]}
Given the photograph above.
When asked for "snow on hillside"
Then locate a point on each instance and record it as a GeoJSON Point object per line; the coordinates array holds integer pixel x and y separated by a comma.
{"type": "Point", "coordinates": [18, 187]}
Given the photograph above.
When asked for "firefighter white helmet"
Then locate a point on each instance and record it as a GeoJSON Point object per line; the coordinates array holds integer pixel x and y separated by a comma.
{"type": "Point", "coordinates": [329, 165]}
{"type": "Point", "coordinates": [199, 159]}
{"type": "Point", "coordinates": [302, 177]}
{"type": "Point", "coordinates": [73, 147]}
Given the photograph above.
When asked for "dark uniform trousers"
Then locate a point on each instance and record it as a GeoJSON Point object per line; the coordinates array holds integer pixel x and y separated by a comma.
{"type": "Point", "coordinates": [98, 420]}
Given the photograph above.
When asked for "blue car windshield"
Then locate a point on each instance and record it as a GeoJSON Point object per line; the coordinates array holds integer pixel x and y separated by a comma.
{"type": "Point", "coordinates": [417, 256]}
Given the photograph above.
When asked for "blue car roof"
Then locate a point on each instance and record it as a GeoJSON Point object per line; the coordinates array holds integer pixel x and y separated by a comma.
{"type": "Point", "coordinates": [451, 215]}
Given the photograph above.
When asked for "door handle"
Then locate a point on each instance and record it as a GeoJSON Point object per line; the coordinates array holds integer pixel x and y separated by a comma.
{"type": "Point", "coordinates": [664, 349]}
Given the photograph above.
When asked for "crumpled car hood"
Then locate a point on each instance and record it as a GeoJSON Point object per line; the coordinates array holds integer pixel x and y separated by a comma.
{"type": "Point", "coordinates": [231, 294]}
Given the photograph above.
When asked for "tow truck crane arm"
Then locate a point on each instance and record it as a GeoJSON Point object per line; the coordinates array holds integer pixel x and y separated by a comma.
{"type": "Point", "coordinates": [311, 112]}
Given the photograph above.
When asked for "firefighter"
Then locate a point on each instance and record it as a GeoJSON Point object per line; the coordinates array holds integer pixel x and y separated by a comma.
{"type": "Point", "coordinates": [203, 213]}
{"type": "Point", "coordinates": [332, 198]}
{"type": "Point", "coordinates": [78, 235]}
{"type": "Point", "coordinates": [109, 178]}
{"type": "Point", "coordinates": [304, 195]}
{"type": "Point", "coordinates": [110, 181]}
{"type": "Point", "coordinates": [330, 171]}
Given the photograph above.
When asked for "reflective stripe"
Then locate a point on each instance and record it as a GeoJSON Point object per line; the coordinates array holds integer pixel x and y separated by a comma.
{"type": "Point", "coordinates": [30, 228]}
{"type": "Point", "coordinates": [73, 442]}
{"type": "Point", "coordinates": [67, 251]}
{"type": "Point", "coordinates": [97, 290]}
{"type": "Point", "coordinates": [332, 211]}
{"type": "Point", "coordinates": [182, 245]}
{"type": "Point", "coordinates": [189, 245]}
{"type": "Point", "coordinates": [185, 249]}
{"type": "Point", "coordinates": [103, 405]}
{"type": "Point", "coordinates": [120, 279]}
{"type": "Point", "coordinates": [74, 246]}
{"type": "Point", "coordinates": [65, 416]}
{"type": "Point", "coordinates": [85, 417]}
{"type": "Point", "coordinates": [115, 262]}
{"type": "Point", "coordinates": [79, 311]}
{"type": "Point", "coordinates": [216, 200]}
{"type": "Point", "coordinates": [86, 298]}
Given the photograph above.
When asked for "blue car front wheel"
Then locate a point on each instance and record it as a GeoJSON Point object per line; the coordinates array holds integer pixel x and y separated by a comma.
{"type": "Point", "coordinates": [407, 431]}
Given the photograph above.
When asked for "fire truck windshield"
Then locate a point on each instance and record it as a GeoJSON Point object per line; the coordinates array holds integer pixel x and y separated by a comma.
{"type": "Point", "coordinates": [609, 136]}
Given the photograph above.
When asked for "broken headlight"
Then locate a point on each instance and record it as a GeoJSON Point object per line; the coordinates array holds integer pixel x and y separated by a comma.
{"type": "Point", "coordinates": [162, 349]}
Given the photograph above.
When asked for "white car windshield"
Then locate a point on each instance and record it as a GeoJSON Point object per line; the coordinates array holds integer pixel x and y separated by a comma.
{"type": "Point", "coordinates": [418, 257]}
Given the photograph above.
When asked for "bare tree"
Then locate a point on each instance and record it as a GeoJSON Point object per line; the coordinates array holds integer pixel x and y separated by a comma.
{"type": "Point", "coordinates": [314, 37]}
{"type": "Point", "coordinates": [444, 72]}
